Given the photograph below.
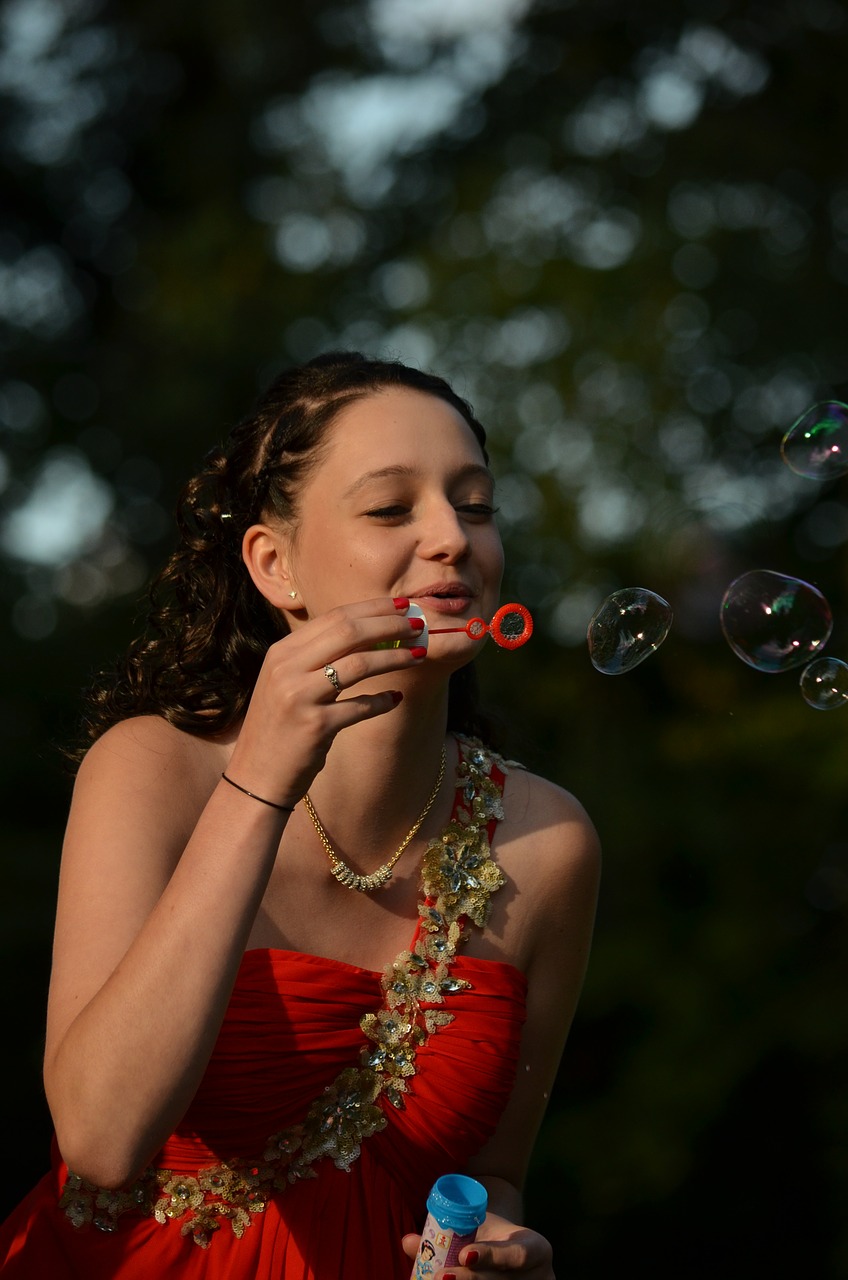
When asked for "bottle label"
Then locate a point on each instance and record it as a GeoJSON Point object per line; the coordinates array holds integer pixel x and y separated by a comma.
{"type": "Point", "coordinates": [439, 1248]}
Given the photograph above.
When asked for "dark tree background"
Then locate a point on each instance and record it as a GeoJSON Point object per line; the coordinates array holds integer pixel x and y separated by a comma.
{"type": "Point", "coordinates": [623, 231]}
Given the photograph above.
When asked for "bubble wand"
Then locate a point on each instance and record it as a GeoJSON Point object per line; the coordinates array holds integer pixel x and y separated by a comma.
{"type": "Point", "coordinates": [511, 627]}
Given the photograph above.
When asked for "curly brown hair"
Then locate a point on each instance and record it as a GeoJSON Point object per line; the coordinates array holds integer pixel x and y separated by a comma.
{"type": "Point", "coordinates": [208, 628]}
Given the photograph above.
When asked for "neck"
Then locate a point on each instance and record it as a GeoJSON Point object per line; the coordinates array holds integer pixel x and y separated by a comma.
{"type": "Point", "coordinates": [378, 776]}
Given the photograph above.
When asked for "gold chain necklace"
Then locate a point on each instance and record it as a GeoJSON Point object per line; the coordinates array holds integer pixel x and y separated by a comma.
{"type": "Point", "coordinates": [350, 878]}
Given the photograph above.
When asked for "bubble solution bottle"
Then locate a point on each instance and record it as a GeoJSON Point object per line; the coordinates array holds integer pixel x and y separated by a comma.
{"type": "Point", "coordinates": [455, 1208]}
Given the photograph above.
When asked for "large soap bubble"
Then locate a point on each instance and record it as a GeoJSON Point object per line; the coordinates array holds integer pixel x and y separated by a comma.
{"type": "Point", "coordinates": [774, 622]}
{"type": "Point", "coordinates": [627, 628]}
{"type": "Point", "coordinates": [817, 445]}
{"type": "Point", "coordinates": [824, 684]}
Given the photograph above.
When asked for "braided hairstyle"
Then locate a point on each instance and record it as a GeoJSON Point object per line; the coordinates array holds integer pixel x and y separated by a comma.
{"type": "Point", "coordinates": [208, 627]}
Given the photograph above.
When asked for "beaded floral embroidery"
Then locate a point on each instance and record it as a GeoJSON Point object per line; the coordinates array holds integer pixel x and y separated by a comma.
{"type": "Point", "coordinates": [458, 877]}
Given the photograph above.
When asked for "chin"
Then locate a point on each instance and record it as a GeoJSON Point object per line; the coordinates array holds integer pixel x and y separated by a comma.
{"type": "Point", "coordinates": [458, 652]}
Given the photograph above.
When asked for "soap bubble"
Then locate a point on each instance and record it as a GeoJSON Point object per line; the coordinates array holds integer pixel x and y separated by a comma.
{"type": "Point", "coordinates": [824, 684]}
{"type": "Point", "coordinates": [817, 445]}
{"type": "Point", "coordinates": [774, 622]}
{"type": "Point", "coordinates": [627, 628]}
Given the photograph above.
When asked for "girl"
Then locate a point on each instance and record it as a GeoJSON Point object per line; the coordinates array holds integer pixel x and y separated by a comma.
{"type": "Point", "coordinates": [316, 943]}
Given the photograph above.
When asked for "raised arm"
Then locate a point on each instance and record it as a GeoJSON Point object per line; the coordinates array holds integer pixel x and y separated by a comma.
{"type": "Point", "coordinates": [155, 906]}
{"type": "Point", "coordinates": [163, 871]}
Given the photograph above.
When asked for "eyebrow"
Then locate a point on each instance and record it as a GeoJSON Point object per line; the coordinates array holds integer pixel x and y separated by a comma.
{"type": "Point", "coordinates": [473, 470]}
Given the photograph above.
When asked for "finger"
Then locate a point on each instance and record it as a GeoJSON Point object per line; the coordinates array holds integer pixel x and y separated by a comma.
{"type": "Point", "coordinates": [352, 628]}
{"type": "Point", "coordinates": [365, 707]}
{"type": "Point", "coordinates": [346, 673]}
{"type": "Point", "coordinates": [528, 1252]}
{"type": "Point", "coordinates": [411, 1245]}
{"type": "Point", "coordinates": [333, 677]}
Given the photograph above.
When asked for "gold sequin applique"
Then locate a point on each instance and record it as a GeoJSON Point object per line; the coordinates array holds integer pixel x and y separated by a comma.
{"type": "Point", "coordinates": [458, 877]}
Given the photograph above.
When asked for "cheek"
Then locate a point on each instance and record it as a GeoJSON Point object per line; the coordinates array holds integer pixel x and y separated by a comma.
{"type": "Point", "coordinates": [338, 563]}
{"type": "Point", "coordinates": [496, 553]}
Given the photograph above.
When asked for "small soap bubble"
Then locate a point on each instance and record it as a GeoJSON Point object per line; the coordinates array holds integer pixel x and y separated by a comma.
{"type": "Point", "coordinates": [774, 622]}
{"type": "Point", "coordinates": [824, 684]}
{"type": "Point", "coordinates": [817, 445]}
{"type": "Point", "coordinates": [626, 628]}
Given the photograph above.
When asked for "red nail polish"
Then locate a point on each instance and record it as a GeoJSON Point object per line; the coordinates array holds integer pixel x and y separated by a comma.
{"type": "Point", "coordinates": [471, 1257]}
{"type": "Point", "coordinates": [397, 696]}
{"type": "Point", "coordinates": [419, 651]}
{"type": "Point", "coordinates": [417, 624]}
{"type": "Point", "coordinates": [400, 602]}
{"type": "Point", "coordinates": [448, 1275]}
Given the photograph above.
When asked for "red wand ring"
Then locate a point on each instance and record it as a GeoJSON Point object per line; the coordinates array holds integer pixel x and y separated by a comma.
{"type": "Point", "coordinates": [511, 627]}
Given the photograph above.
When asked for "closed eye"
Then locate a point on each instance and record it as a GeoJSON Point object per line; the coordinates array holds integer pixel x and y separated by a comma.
{"type": "Point", "coordinates": [399, 511]}
{"type": "Point", "coordinates": [394, 512]}
{"type": "Point", "coordinates": [483, 510]}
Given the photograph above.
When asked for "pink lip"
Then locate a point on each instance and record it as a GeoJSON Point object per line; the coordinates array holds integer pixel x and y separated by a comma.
{"type": "Point", "coordinates": [445, 597]}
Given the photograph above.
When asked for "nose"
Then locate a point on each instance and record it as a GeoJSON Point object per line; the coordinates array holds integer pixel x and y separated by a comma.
{"type": "Point", "coordinates": [444, 535]}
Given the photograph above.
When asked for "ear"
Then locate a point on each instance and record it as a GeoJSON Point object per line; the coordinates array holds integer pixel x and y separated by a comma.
{"type": "Point", "coordinates": [266, 552]}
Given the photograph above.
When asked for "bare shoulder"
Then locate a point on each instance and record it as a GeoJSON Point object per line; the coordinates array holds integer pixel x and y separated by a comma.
{"type": "Point", "coordinates": [545, 821]}
{"type": "Point", "coordinates": [146, 755]}
{"type": "Point", "coordinates": [549, 851]}
{"type": "Point", "coordinates": [148, 743]}
{"type": "Point", "coordinates": [137, 798]}
{"type": "Point", "coordinates": [146, 780]}
{"type": "Point", "coordinates": [138, 795]}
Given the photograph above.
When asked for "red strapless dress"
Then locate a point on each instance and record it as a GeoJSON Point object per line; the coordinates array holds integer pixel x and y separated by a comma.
{"type": "Point", "coordinates": [333, 1100]}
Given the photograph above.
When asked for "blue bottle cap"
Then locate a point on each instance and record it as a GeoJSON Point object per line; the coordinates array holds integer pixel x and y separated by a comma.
{"type": "Point", "coordinates": [458, 1203]}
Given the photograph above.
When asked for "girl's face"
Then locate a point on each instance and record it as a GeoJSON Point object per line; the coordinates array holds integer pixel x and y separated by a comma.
{"type": "Point", "coordinates": [399, 504]}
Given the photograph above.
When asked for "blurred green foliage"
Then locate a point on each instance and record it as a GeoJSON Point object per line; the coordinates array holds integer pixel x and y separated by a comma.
{"type": "Point", "coordinates": [623, 231]}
